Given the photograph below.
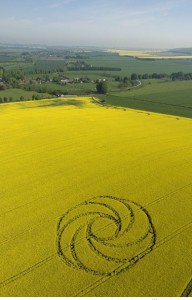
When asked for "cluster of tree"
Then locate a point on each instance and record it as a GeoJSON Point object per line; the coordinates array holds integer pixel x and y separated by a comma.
{"type": "Point", "coordinates": [6, 99]}
{"type": "Point", "coordinates": [122, 79]}
{"type": "Point", "coordinates": [91, 68]}
{"type": "Point", "coordinates": [10, 99]}
{"type": "Point", "coordinates": [173, 76]}
{"type": "Point", "coordinates": [48, 71]}
{"type": "Point", "coordinates": [13, 77]}
{"type": "Point", "coordinates": [37, 97]}
{"type": "Point", "coordinates": [21, 98]}
{"type": "Point", "coordinates": [44, 90]}
{"type": "Point", "coordinates": [27, 57]}
{"type": "Point", "coordinates": [102, 87]}
{"type": "Point", "coordinates": [135, 76]}
{"type": "Point", "coordinates": [81, 65]}
{"type": "Point", "coordinates": [36, 88]}
{"type": "Point", "coordinates": [78, 56]}
{"type": "Point", "coordinates": [181, 76]}
{"type": "Point", "coordinates": [125, 81]}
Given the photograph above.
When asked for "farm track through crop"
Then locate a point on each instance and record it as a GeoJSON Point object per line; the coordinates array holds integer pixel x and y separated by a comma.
{"type": "Point", "coordinates": [56, 173]}
{"type": "Point", "coordinates": [169, 194]}
{"type": "Point", "coordinates": [32, 201]}
{"type": "Point", "coordinates": [31, 228]}
{"type": "Point", "coordinates": [158, 244]}
{"type": "Point", "coordinates": [96, 283]}
{"type": "Point", "coordinates": [147, 205]}
{"type": "Point", "coordinates": [26, 271]}
{"type": "Point", "coordinates": [123, 154]}
{"type": "Point", "coordinates": [28, 203]}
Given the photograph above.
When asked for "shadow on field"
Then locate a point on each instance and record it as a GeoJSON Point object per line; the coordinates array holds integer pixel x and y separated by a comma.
{"type": "Point", "coordinates": [52, 103]}
{"type": "Point", "coordinates": [59, 102]}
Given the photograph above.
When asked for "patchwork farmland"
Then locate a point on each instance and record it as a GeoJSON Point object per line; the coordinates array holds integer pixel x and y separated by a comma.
{"type": "Point", "coordinates": [95, 200]}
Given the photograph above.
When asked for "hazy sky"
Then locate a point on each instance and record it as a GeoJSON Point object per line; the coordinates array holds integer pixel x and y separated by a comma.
{"type": "Point", "coordinates": [105, 23]}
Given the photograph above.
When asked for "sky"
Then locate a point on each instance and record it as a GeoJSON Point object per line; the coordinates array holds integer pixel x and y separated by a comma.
{"type": "Point", "coordinates": [150, 24]}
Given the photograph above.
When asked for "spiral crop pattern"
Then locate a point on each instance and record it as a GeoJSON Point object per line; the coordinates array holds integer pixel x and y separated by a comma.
{"type": "Point", "coordinates": [105, 235]}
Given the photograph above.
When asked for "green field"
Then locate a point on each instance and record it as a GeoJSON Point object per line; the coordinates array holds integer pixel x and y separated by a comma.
{"type": "Point", "coordinates": [130, 65]}
{"type": "Point", "coordinates": [95, 201]}
{"type": "Point", "coordinates": [71, 88]}
{"type": "Point", "coordinates": [154, 95]}
{"type": "Point", "coordinates": [15, 94]}
{"type": "Point", "coordinates": [167, 97]}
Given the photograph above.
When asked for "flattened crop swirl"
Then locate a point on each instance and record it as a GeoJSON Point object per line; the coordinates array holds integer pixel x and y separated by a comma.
{"type": "Point", "coordinates": [105, 235]}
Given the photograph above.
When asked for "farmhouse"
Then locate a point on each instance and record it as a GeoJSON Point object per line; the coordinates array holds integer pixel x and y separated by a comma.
{"type": "Point", "coordinates": [66, 80]}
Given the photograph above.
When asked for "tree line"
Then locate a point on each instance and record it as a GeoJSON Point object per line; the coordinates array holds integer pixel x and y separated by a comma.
{"type": "Point", "coordinates": [90, 68]}
{"type": "Point", "coordinates": [172, 76]}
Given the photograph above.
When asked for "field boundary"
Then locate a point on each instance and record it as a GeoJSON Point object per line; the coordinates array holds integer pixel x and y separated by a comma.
{"type": "Point", "coordinates": [147, 112]}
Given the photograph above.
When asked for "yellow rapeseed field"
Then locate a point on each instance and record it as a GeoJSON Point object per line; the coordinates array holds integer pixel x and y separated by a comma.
{"type": "Point", "coordinates": [153, 54]}
{"type": "Point", "coordinates": [95, 201]}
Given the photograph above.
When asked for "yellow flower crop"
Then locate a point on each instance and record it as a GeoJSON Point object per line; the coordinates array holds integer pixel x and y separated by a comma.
{"type": "Point", "coordinates": [94, 201]}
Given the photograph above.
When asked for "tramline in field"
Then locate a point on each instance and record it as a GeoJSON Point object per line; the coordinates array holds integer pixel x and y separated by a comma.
{"type": "Point", "coordinates": [95, 200]}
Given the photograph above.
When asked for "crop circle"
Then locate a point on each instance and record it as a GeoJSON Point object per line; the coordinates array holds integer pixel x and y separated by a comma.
{"type": "Point", "coordinates": [105, 235]}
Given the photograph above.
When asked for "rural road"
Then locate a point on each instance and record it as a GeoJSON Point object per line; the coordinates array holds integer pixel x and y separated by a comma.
{"type": "Point", "coordinates": [133, 87]}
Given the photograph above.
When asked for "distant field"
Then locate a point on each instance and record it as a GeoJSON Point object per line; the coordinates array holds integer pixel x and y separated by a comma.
{"type": "Point", "coordinates": [36, 67]}
{"type": "Point", "coordinates": [94, 201]}
{"type": "Point", "coordinates": [156, 54]}
{"type": "Point", "coordinates": [15, 94]}
{"type": "Point", "coordinates": [171, 97]}
{"type": "Point", "coordinates": [131, 65]}
{"type": "Point", "coordinates": [5, 58]}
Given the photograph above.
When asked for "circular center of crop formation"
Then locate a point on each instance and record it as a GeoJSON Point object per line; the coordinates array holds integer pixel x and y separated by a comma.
{"type": "Point", "coordinates": [105, 235]}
